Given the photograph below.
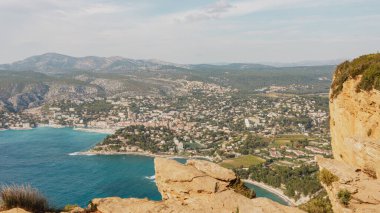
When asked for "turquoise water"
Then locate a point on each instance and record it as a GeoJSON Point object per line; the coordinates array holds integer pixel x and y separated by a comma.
{"type": "Point", "coordinates": [260, 192]}
{"type": "Point", "coordinates": [41, 158]}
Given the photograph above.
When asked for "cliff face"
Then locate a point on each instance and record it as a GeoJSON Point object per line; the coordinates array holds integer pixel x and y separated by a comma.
{"type": "Point", "coordinates": [355, 128]}
{"type": "Point", "coordinates": [198, 186]}
{"type": "Point", "coordinates": [353, 184]}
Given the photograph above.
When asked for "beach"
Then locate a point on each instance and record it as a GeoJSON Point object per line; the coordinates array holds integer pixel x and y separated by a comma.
{"type": "Point", "coordinates": [273, 190]}
{"type": "Point", "coordinates": [96, 130]}
{"type": "Point", "coordinates": [19, 128]}
{"type": "Point", "coordinates": [147, 154]}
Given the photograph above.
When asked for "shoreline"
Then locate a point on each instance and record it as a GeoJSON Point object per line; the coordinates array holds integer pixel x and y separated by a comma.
{"type": "Point", "coordinates": [146, 154]}
{"type": "Point", "coordinates": [273, 190]}
{"type": "Point", "coordinates": [95, 130]}
{"type": "Point", "coordinates": [121, 153]}
{"type": "Point", "coordinates": [16, 129]}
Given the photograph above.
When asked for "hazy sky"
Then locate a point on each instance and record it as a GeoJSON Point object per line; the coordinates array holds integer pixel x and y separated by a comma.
{"type": "Point", "coordinates": [191, 31]}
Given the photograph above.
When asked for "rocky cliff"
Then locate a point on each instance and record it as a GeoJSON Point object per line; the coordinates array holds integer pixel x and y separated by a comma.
{"type": "Point", "coordinates": [198, 186]}
{"type": "Point", "coordinates": [355, 113]}
{"type": "Point", "coordinates": [351, 179]}
{"type": "Point", "coordinates": [355, 129]}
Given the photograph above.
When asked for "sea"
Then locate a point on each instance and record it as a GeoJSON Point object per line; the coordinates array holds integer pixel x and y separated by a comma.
{"type": "Point", "coordinates": [46, 159]}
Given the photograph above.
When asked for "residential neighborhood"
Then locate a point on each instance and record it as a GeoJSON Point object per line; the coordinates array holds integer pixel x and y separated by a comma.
{"type": "Point", "coordinates": [208, 120]}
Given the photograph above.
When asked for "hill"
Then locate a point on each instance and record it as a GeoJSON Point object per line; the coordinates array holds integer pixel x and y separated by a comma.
{"type": "Point", "coordinates": [37, 79]}
{"type": "Point", "coordinates": [58, 63]}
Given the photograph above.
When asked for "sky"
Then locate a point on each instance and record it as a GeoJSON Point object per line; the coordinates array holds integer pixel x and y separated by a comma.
{"type": "Point", "coordinates": [191, 31]}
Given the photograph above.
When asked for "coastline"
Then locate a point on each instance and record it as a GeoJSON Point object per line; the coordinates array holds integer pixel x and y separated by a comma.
{"type": "Point", "coordinates": [146, 154]}
{"type": "Point", "coordinates": [17, 129]}
{"type": "Point", "coordinates": [96, 130]}
{"type": "Point", "coordinates": [273, 190]}
{"type": "Point", "coordinates": [56, 126]}
{"type": "Point", "coordinates": [121, 153]}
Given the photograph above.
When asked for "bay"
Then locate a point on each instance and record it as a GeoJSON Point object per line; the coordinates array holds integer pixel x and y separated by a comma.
{"type": "Point", "coordinates": [41, 157]}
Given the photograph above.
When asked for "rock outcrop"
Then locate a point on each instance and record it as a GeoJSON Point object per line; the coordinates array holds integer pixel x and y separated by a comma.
{"type": "Point", "coordinates": [198, 186]}
{"type": "Point", "coordinates": [355, 137]}
{"type": "Point", "coordinates": [363, 189]}
{"type": "Point", "coordinates": [355, 127]}
{"type": "Point", "coordinates": [15, 210]}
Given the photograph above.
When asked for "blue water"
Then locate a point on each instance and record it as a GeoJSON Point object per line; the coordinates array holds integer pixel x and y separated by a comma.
{"type": "Point", "coordinates": [41, 158]}
{"type": "Point", "coordinates": [260, 192]}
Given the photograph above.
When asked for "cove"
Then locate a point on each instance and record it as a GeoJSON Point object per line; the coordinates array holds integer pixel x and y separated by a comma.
{"type": "Point", "coordinates": [41, 157]}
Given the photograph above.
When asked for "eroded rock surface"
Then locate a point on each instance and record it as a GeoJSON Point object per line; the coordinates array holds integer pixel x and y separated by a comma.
{"type": "Point", "coordinates": [198, 186]}
{"type": "Point", "coordinates": [355, 138]}
{"type": "Point", "coordinates": [15, 210]}
{"type": "Point", "coordinates": [364, 189]}
{"type": "Point", "coordinates": [355, 127]}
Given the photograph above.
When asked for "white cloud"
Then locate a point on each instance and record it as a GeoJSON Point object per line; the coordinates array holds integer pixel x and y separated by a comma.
{"type": "Point", "coordinates": [224, 8]}
{"type": "Point", "coordinates": [210, 33]}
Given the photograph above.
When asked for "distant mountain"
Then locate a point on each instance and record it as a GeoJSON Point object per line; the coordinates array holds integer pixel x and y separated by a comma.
{"type": "Point", "coordinates": [306, 63]}
{"type": "Point", "coordinates": [58, 63]}
{"type": "Point", "coordinates": [43, 78]}
{"type": "Point", "coordinates": [228, 67]}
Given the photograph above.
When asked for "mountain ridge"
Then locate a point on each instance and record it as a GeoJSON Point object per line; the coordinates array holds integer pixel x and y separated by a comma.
{"type": "Point", "coordinates": [60, 63]}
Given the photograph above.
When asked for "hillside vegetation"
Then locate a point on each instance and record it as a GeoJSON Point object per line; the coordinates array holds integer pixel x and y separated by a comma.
{"type": "Point", "coordinates": [367, 66]}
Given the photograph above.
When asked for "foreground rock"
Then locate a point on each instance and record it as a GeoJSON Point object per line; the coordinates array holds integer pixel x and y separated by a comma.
{"type": "Point", "coordinates": [364, 189]}
{"type": "Point", "coordinates": [15, 210]}
{"type": "Point", "coordinates": [198, 186]}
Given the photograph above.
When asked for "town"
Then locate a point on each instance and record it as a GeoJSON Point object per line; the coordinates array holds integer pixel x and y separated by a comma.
{"type": "Point", "coordinates": [206, 121]}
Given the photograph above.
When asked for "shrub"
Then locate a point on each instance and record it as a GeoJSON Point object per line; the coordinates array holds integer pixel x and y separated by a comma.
{"type": "Point", "coordinates": [69, 207]}
{"type": "Point", "coordinates": [319, 204]}
{"type": "Point", "coordinates": [367, 65]}
{"type": "Point", "coordinates": [23, 196]}
{"type": "Point", "coordinates": [344, 196]}
{"type": "Point", "coordinates": [326, 177]}
{"type": "Point", "coordinates": [239, 187]}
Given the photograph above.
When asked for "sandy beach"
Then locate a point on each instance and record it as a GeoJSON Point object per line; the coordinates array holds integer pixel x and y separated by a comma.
{"type": "Point", "coordinates": [20, 128]}
{"type": "Point", "coordinates": [147, 154]}
{"type": "Point", "coordinates": [273, 190]}
{"type": "Point", "coordinates": [58, 126]}
{"type": "Point", "coordinates": [96, 130]}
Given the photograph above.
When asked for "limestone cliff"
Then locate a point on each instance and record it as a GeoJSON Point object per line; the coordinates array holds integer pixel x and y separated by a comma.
{"type": "Point", "coordinates": [355, 129]}
{"type": "Point", "coordinates": [198, 186]}
{"type": "Point", "coordinates": [355, 136]}
{"type": "Point", "coordinates": [355, 118]}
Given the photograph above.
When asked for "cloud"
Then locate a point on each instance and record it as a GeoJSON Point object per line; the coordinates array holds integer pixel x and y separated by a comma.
{"type": "Point", "coordinates": [64, 8]}
{"type": "Point", "coordinates": [212, 11]}
{"type": "Point", "coordinates": [224, 8]}
{"type": "Point", "coordinates": [186, 32]}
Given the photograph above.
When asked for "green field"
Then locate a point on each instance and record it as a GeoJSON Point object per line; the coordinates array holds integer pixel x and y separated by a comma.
{"type": "Point", "coordinates": [286, 139]}
{"type": "Point", "coordinates": [242, 161]}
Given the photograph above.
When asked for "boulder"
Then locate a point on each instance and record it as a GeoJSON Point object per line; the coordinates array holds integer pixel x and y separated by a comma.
{"type": "Point", "coordinates": [198, 186]}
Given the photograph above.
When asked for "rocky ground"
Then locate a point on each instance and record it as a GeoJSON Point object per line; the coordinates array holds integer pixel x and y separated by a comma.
{"type": "Point", "coordinates": [198, 186]}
